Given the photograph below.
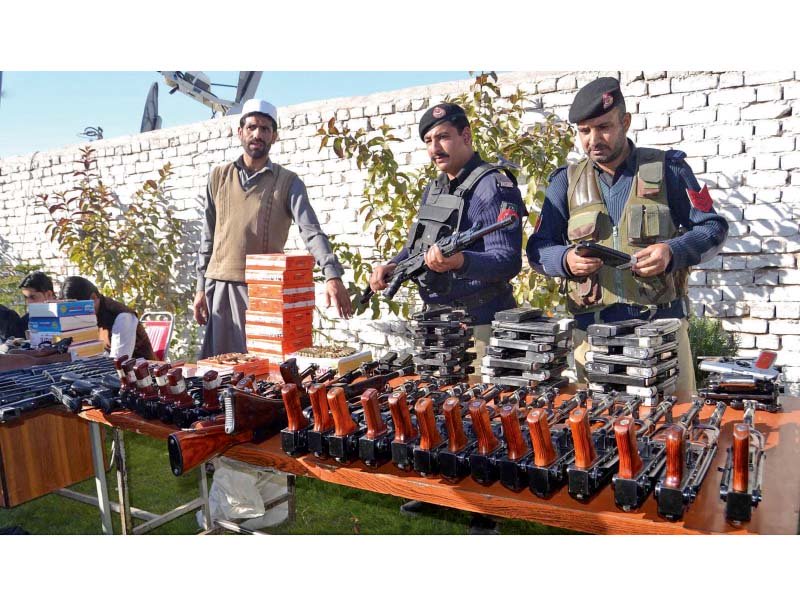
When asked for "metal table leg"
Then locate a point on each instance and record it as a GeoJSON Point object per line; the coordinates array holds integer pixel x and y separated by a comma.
{"type": "Point", "coordinates": [290, 483]}
{"type": "Point", "coordinates": [100, 477]}
{"type": "Point", "coordinates": [207, 524]}
{"type": "Point", "coordinates": [121, 465]}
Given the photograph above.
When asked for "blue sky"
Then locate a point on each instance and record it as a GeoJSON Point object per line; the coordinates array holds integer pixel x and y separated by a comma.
{"type": "Point", "coordinates": [43, 110]}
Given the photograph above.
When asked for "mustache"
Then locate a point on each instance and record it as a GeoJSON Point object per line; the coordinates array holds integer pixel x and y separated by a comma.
{"type": "Point", "coordinates": [441, 155]}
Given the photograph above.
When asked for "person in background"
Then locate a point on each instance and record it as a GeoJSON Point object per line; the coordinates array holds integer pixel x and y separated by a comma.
{"type": "Point", "coordinates": [119, 325]}
{"type": "Point", "coordinates": [35, 287]}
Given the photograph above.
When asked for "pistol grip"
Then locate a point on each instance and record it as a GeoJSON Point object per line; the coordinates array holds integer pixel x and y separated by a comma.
{"type": "Point", "coordinates": [539, 431]}
{"type": "Point", "coordinates": [741, 457]}
{"type": "Point", "coordinates": [372, 414]}
{"type": "Point", "coordinates": [429, 436]}
{"type": "Point", "coordinates": [340, 410]}
{"type": "Point", "coordinates": [401, 417]}
{"type": "Point", "coordinates": [294, 412]}
{"type": "Point", "coordinates": [676, 455]}
{"type": "Point", "coordinates": [318, 394]}
{"type": "Point", "coordinates": [456, 438]}
{"type": "Point", "coordinates": [627, 448]}
{"type": "Point", "coordinates": [479, 414]}
{"type": "Point", "coordinates": [585, 452]}
{"type": "Point", "coordinates": [515, 444]}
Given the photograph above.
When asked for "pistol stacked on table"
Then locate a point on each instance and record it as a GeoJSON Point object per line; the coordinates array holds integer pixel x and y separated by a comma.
{"type": "Point", "coordinates": [527, 349]}
{"type": "Point", "coordinates": [442, 338]}
{"type": "Point", "coordinates": [635, 357]}
{"type": "Point", "coordinates": [734, 380]}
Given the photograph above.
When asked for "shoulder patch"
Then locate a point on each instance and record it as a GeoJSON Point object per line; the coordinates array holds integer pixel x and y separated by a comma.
{"type": "Point", "coordinates": [675, 155]}
{"type": "Point", "coordinates": [503, 180]}
{"type": "Point", "coordinates": [555, 173]}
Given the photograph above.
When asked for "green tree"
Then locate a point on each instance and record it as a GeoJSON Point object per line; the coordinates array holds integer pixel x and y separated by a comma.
{"type": "Point", "coordinates": [392, 196]}
{"type": "Point", "coordinates": [708, 338]}
{"type": "Point", "coordinates": [127, 250]}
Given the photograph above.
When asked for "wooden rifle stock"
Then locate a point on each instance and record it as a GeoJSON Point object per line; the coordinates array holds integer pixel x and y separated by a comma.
{"type": "Point", "coordinates": [318, 394]}
{"type": "Point", "coordinates": [741, 457]}
{"type": "Point", "coordinates": [294, 412]}
{"type": "Point", "coordinates": [404, 431]}
{"type": "Point", "coordinates": [482, 427]}
{"type": "Point", "coordinates": [676, 455]}
{"type": "Point", "coordinates": [515, 444]}
{"type": "Point", "coordinates": [123, 376]}
{"type": "Point", "coordinates": [539, 431]}
{"type": "Point", "coordinates": [211, 383]}
{"type": "Point", "coordinates": [343, 422]}
{"type": "Point", "coordinates": [372, 414]}
{"type": "Point", "coordinates": [429, 436]}
{"type": "Point", "coordinates": [160, 374]}
{"type": "Point", "coordinates": [585, 452]}
{"type": "Point", "coordinates": [191, 447]}
{"type": "Point", "coordinates": [630, 462]}
{"type": "Point", "coordinates": [177, 390]}
{"type": "Point", "coordinates": [456, 438]}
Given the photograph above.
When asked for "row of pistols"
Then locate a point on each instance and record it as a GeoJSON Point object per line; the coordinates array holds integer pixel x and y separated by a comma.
{"type": "Point", "coordinates": [522, 439]}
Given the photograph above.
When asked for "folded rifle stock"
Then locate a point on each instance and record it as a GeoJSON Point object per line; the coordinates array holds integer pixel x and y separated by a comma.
{"type": "Point", "coordinates": [247, 418]}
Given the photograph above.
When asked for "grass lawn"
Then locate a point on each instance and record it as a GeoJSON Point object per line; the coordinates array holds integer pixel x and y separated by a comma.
{"type": "Point", "coordinates": [322, 508]}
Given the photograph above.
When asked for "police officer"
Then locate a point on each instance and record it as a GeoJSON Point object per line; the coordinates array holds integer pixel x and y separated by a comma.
{"type": "Point", "coordinates": [643, 201]}
{"type": "Point", "coordinates": [468, 190]}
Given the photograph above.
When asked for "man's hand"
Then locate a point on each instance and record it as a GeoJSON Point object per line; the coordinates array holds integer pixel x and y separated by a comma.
{"type": "Point", "coordinates": [582, 266]}
{"type": "Point", "coordinates": [652, 260]}
{"type": "Point", "coordinates": [200, 307]}
{"type": "Point", "coordinates": [437, 262]}
{"type": "Point", "coordinates": [336, 295]}
{"type": "Point", "coordinates": [378, 279]}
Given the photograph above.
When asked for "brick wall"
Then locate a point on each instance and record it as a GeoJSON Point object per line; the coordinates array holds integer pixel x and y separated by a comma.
{"type": "Point", "coordinates": [739, 130]}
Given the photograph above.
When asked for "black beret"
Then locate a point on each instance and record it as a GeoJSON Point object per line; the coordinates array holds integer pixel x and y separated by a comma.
{"type": "Point", "coordinates": [595, 99]}
{"type": "Point", "coordinates": [446, 111]}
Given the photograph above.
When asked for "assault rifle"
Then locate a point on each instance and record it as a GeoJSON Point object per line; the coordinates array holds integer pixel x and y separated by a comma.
{"type": "Point", "coordinates": [414, 266]}
{"type": "Point", "coordinates": [740, 486]}
{"type": "Point", "coordinates": [295, 436]}
{"type": "Point", "coordinates": [432, 431]}
{"type": "Point", "coordinates": [595, 456]}
{"type": "Point", "coordinates": [478, 436]}
{"type": "Point", "coordinates": [689, 456]}
{"type": "Point", "coordinates": [247, 418]}
{"type": "Point", "coordinates": [551, 441]}
{"type": "Point", "coordinates": [642, 456]}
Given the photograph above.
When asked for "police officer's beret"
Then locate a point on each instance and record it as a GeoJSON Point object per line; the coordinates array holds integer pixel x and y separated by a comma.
{"type": "Point", "coordinates": [595, 99]}
{"type": "Point", "coordinates": [446, 111]}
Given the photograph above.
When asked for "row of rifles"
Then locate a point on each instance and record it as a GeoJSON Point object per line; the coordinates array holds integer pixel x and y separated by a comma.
{"type": "Point", "coordinates": [524, 440]}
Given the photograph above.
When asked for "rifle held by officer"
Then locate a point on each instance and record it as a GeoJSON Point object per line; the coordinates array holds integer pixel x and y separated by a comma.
{"type": "Point", "coordinates": [414, 266]}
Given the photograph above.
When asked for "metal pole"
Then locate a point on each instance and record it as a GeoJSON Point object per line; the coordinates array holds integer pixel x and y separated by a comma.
{"type": "Point", "coordinates": [100, 478]}
{"type": "Point", "coordinates": [122, 482]}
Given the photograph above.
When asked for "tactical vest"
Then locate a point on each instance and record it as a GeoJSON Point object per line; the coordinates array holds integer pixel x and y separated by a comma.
{"type": "Point", "coordinates": [107, 314]}
{"type": "Point", "coordinates": [255, 221]}
{"type": "Point", "coordinates": [440, 216]}
{"type": "Point", "coordinates": [646, 220]}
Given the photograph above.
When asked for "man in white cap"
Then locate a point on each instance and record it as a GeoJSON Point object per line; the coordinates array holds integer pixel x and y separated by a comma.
{"type": "Point", "coordinates": [250, 206]}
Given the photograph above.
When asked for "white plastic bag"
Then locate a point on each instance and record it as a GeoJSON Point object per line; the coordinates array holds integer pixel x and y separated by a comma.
{"type": "Point", "coordinates": [240, 491]}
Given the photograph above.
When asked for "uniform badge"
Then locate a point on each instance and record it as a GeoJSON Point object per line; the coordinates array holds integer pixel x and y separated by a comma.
{"type": "Point", "coordinates": [608, 100]}
{"type": "Point", "coordinates": [438, 112]}
{"type": "Point", "coordinates": [508, 209]}
{"type": "Point", "coordinates": [700, 200]}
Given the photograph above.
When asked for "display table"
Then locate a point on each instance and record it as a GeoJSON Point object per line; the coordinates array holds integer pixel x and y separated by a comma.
{"type": "Point", "coordinates": [41, 452]}
{"type": "Point", "coordinates": [776, 514]}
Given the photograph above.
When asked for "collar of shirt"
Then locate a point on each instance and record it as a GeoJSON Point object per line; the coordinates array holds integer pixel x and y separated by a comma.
{"type": "Point", "coordinates": [247, 179]}
{"type": "Point", "coordinates": [468, 168]}
{"type": "Point", "coordinates": [627, 167]}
